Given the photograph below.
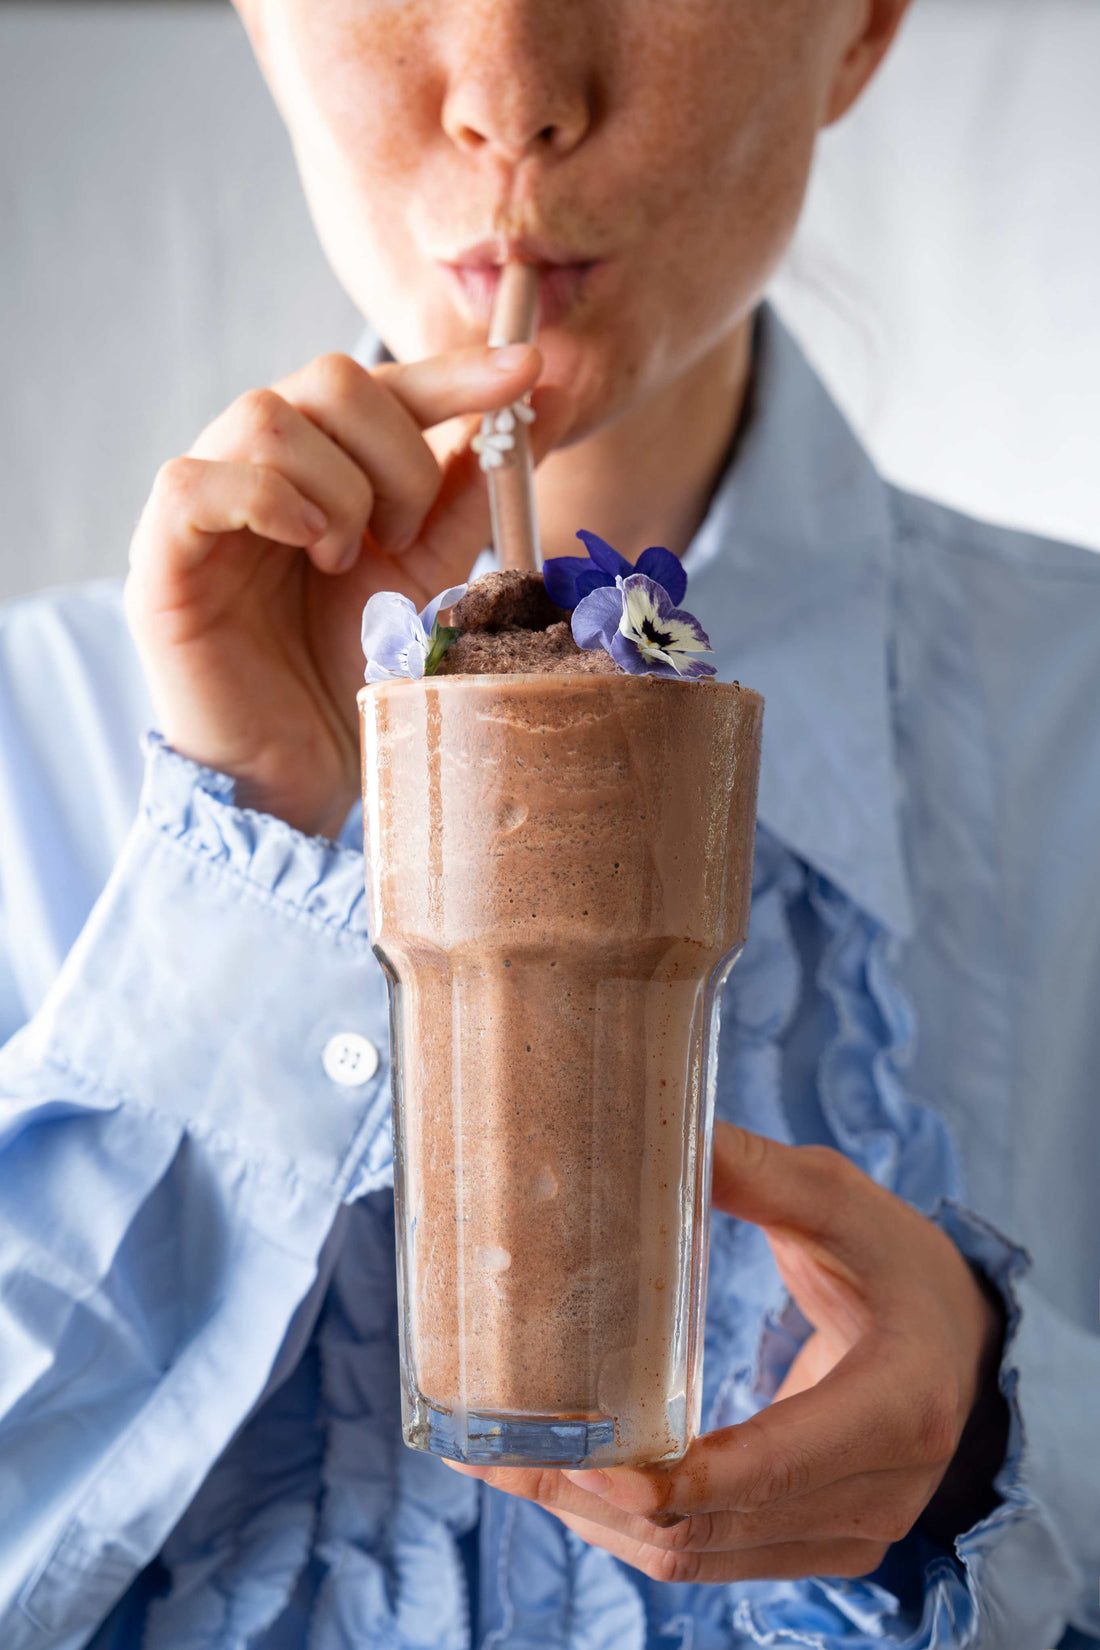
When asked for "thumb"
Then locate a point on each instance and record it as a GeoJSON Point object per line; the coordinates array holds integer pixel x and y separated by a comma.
{"type": "Point", "coordinates": [812, 1203]}
{"type": "Point", "coordinates": [801, 1197]}
{"type": "Point", "coordinates": [786, 1188]}
{"type": "Point", "coordinates": [457, 527]}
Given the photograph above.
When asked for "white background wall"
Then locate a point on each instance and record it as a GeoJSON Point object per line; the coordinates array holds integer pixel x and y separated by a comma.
{"type": "Point", "coordinates": [156, 259]}
{"type": "Point", "coordinates": [947, 278]}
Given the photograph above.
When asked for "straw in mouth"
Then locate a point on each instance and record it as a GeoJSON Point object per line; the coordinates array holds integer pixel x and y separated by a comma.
{"type": "Point", "coordinates": [504, 442]}
{"type": "Point", "coordinates": [515, 309]}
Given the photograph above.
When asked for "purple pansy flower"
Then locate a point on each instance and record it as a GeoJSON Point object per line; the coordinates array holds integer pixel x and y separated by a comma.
{"type": "Point", "coordinates": [399, 641]}
{"type": "Point", "coordinates": [569, 579]}
{"type": "Point", "coordinates": [636, 621]}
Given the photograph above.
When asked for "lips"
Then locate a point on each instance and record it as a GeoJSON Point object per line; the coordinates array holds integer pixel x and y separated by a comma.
{"type": "Point", "coordinates": [564, 275]}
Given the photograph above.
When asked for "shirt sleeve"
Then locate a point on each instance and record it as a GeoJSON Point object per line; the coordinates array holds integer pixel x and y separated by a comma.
{"type": "Point", "coordinates": [174, 1160]}
{"type": "Point", "coordinates": [1024, 1577]}
{"type": "Point", "coordinates": [1031, 1566]}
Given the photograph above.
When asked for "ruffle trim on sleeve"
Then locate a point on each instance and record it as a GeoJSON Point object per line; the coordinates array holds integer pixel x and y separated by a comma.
{"type": "Point", "coordinates": [1003, 1264]}
{"type": "Point", "coordinates": [864, 1614]}
{"type": "Point", "coordinates": [193, 805]}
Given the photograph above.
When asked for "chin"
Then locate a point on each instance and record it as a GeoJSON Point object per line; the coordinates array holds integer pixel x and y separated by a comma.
{"type": "Point", "coordinates": [606, 375]}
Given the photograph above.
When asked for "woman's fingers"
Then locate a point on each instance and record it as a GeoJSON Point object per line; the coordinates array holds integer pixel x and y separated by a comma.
{"type": "Point", "coordinates": [262, 428]}
{"type": "Point", "coordinates": [346, 443]}
{"type": "Point", "coordinates": [818, 1200]}
{"type": "Point", "coordinates": [194, 503]}
{"type": "Point", "coordinates": [475, 379]}
{"type": "Point", "coordinates": [360, 415]}
{"type": "Point", "coordinates": [873, 1506]}
{"type": "Point", "coordinates": [879, 1409]}
{"type": "Point", "coordinates": [786, 1561]}
{"type": "Point", "coordinates": [798, 1189]}
{"type": "Point", "coordinates": [377, 419]}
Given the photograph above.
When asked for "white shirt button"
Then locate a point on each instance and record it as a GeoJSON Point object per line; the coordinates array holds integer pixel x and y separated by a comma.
{"type": "Point", "coordinates": [350, 1059]}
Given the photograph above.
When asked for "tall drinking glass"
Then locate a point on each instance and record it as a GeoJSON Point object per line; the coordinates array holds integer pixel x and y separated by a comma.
{"type": "Point", "coordinates": [558, 874]}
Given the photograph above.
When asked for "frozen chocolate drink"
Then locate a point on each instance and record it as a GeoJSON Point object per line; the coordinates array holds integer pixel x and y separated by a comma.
{"type": "Point", "coordinates": [559, 870]}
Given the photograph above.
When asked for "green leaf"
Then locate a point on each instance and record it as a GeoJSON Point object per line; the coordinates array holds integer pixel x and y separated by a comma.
{"type": "Point", "coordinates": [440, 640]}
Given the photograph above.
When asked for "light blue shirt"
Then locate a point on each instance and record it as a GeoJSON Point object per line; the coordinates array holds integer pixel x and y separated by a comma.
{"type": "Point", "coordinates": [199, 1419]}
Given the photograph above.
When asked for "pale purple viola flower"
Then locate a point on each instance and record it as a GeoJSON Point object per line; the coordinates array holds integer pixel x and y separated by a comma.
{"type": "Point", "coordinates": [635, 621]}
{"type": "Point", "coordinates": [399, 641]}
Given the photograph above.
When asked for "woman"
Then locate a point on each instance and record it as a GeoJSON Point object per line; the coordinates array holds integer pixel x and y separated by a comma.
{"type": "Point", "coordinates": [200, 1412]}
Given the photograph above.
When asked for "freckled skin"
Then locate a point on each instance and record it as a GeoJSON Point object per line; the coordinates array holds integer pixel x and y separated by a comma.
{"type": "Point", "coordinates": [689, 131]}
{"type": "Point", "coordinates": [676, 140]}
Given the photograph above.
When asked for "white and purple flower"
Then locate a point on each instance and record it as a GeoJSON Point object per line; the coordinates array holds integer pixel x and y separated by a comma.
{"type": "Point", "coordinates": [637, 622]}
{"type": "Point", "coordinates": [569, 579]}
{"type": "Point", "coordinates": [399, 641]}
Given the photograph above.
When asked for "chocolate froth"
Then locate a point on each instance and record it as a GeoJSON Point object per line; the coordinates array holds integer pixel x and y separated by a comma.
{"type": "Point", "coordinates": [507, 624]}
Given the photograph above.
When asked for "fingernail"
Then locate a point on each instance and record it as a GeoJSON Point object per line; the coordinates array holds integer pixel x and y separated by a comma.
{"type": "Point", "coordinates": [315, 519]}
{"type": "Point", "coordinates": [349, 556]}
{"type": "Point", "coordinates": [596, 1483]}
{"type": "Point", "coordinates": [507, 357]}
{"type": "Point", "coordinates": [398, 542]}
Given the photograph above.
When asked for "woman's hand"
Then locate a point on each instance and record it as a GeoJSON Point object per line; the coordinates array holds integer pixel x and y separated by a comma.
{"type": "Point", "coordinates": [863, 1430]}
{"type": "Point", "coordinates": [256, 552]}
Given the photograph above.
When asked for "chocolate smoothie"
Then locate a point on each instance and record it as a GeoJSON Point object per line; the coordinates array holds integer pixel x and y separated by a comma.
{"type": "Point", "coordinates": [559, 868]}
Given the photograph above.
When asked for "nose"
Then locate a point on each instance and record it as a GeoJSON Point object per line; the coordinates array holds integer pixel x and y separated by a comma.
{"type": "Point", "coordinates": [520, 79]}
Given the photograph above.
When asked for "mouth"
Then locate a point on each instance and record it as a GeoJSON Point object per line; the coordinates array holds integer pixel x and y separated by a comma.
{"type": "Point", "coordinates": [565, 276]}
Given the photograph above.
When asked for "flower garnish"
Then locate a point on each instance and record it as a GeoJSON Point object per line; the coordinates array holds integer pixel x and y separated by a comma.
{"type": "Point", "coordinates": [399, 641]}
{"type": "Point", "coordinates": [636, 621]}
{"type": "Point", "coordinates": [570, 578]}
{"type": "Point", "coordinates": [497, 436]}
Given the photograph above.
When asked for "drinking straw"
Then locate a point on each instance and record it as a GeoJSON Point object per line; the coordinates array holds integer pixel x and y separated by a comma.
{"type": "Point", "coordinates": [511, 478]}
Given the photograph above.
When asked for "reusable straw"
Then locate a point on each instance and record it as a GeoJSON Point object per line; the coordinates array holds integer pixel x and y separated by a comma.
{"type": "Point", "coordinates": [505, 441]}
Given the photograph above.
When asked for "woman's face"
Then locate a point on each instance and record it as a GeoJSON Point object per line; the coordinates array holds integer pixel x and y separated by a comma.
{"type": "Point", "coordinates": [651, 154]}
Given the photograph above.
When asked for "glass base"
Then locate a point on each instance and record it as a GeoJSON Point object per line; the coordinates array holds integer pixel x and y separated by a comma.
{"type": "Point", "coordinates": [490, 1440]}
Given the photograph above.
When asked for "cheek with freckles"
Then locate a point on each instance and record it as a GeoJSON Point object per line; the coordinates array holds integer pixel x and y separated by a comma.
{"type": "Point", "coordinates": [700, 164]}
{"type": "Point", "coordinates": [713, 137]}
{"type": "Point", "coordinates": [360, 89]}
